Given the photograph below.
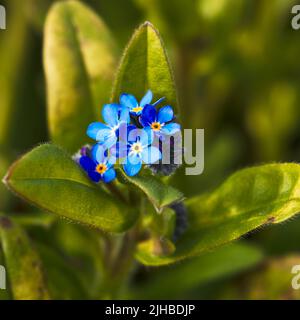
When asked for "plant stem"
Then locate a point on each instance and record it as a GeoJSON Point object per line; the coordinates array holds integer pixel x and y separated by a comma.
{"type": "Point", "coordinates": [115, 190]}
{"type": "Point", "coordinates": [119, 267]}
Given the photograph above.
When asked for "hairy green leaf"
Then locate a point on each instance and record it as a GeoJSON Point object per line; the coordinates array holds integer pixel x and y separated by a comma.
{"type": "Point", "coordinates": [249, 199]}
{"type": "Point", "coordinates": [159, 193]}
{"type": "Point", "coordinates": [79, 61]}
{"type": "Point", "coordinates": [5, 196]}
{"type": "Point", "coordinates": [23, 264]}
{"type": "Point", "coordinates": [51, 180]}
{"type": "Point", "coordinates": [212, 266]}
{"type": "Point", "coordinates": [145, 66]}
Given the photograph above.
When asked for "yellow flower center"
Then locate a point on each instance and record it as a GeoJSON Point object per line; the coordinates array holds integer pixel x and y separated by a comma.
{"type": "Point", "coordinates": [101, 168]}
{"type": "Point", "coordinates": [156, 126]}
{"type": "Point", "coordinates": [137, 109]}
{"type": "Point", "coordinates": [137, 148]}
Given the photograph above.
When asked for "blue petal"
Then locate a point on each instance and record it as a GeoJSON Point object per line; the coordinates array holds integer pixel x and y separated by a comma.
{"type": "Point", "coordinates": [148, 115]}
{"type": "Point", "coordinates": [119, 150]}
{"type": "Point", "coordinates": [109, 175]}
{"type": "Point", "coordinates": [128, 100]}
{"type": "Point", "coordinates": [151, 155]}
{"type": "Point", "coordinates": [146, 137]}
{"type": "Point", "coordinates": [111, 160]}
{"type": "Point", "coordinates": [124, 131]}
{"type": "Point", "coordinates": [158, 101]}
{"type": "Point", "coordinates": [147, 98]}
{"type": "Point", "coordinates": [108, 142]}
{"type": "Point", "coordinates": [134, 134]}
{"type": "Point", "coordinates": [132, 167]}
{"type": "Point", "coordinates": [110, 114]}
{"type": "Point", "coordinates": [98, 153]}
{"type": "Point", "coordinates": [96, 127]}
{"type": "Point", "coordinates": [95, 176]}
{"type": "Point", "coordinates": [124, 115]}
{"type": "Point", "coordinates": [170, 128]}
{"type": "Point", "coordinates": [87, 163]}
{"type": "Point", "coordinates": [165, 114]}
{"type": "Point", "coordinates": [133, 159]}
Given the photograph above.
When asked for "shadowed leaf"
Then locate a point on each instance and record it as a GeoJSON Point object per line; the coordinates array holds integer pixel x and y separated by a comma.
{"type": "Point", "coordinates": [22, 262]}
{"type": "Point", "coordinates": [145, 66]}
{"type": "Point", "coordinates": [159, 193]}
{"type": "Point", "coordinates": [199, 271]}
{"type": "Point", "coordinates": [79, 60]}
{"type": "Point", "coordinates": [51, 180]}
{"type": "Point", "coordinates": [249, 199]}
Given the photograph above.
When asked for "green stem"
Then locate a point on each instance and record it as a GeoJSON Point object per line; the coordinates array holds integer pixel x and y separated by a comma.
{"type": "Point", "coordinates": [119, 267]}
{"type": "Point", "coordinates": [118, 255]}
{"type": "Point", "coordinates": [112, 187]}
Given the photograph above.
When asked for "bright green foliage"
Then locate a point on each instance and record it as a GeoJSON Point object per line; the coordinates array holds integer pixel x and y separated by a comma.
{"type": "Point", "coordinates": [247, 200]}
{"type": "Point", "coordinates": [22, 263]}
{"type": "Point", "coordinates": [199, 271]}
{"type": "Point", "coordinates": [50, 179]}
{"type": "Point", "coordinates": [226, 56]}
{"type": "Point", "coordinates": [79, 61]}
{"type": "Point", "coordinates": [145, 66]}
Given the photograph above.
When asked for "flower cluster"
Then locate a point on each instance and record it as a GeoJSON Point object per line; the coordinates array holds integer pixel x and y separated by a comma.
{"type": "Point", "coordinates": [128, 135]}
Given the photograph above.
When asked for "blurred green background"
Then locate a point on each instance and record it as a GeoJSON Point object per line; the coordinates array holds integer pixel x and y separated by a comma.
{"type": "Point", "coordinates": [238, 77]}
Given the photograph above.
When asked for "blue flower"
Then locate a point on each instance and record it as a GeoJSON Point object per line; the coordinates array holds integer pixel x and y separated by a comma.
{"type": "Point", "coordinates": [160, 122]}
{"type": "Point", "coordinates": [114, 116]}
{"type": "Point", "coordinates": [99, 166]}
{"type": "Point", "coordinates": [139, 151]}
{"type": "Point", "coordinates": [135, 108]}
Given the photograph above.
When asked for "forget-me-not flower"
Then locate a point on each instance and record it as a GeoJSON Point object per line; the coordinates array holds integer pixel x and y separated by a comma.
{"type": "Point", "coordinates": [160, 122]}
{"type": "Point", "coordinates": [139, 150]}
{"type": "Point", "coordinates": [99, 166]}
{"type": "Point", "coordinates": [132, 104]}
{"type": "Point", "coordinates": [114, 116]}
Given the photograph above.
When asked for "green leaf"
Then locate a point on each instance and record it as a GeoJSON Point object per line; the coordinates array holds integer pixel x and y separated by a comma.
{"type": "Point", "coordinates": [191, 274]}
{"type": "Point", "coordinates": [79, 60]}
{"type": "Point", "coordinates": [22, 263]}
{"type": "Point", "coordinates": [5, 196]}
{"type": "Point", "coordinates": [249, 199]}
{"type": "Point", "coordinates": [51, 180]}
{"type": "Point", "coordinates": [145, 66]}
{"type": "Point", "coordinates": [281, 238]}
{"type": "Point", "coordinates": [159, 193]}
